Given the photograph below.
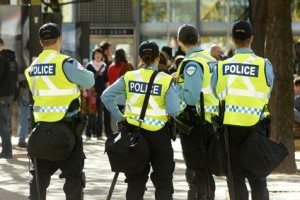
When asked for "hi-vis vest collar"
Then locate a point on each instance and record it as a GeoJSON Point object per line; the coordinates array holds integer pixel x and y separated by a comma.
{"type": "Point", "coordinates": [247, 70]}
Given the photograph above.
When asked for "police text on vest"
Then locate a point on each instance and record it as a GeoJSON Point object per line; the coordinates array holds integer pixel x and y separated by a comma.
{"type": "Point", "coordinates": [42, 70]}
{"type": "Point", "coordinates": [141, 88]}
{"type": "Point", "coordinates": [240, 69]}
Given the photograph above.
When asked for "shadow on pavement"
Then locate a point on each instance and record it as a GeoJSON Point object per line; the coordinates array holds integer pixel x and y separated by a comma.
{"type": "Point", "coordinates": [11, 195]}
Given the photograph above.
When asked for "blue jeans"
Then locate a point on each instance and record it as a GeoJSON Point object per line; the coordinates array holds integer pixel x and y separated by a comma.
{"type": "Point", "coordinates": [23, 123]}
{"type": "Point", "coordinates": [5, 129]}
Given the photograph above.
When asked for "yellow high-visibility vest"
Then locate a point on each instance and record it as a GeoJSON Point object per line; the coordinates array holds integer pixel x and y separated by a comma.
{"type": "Point", "coordinates": [208, 62]}
{"type": "Point", "coordinates": [52, 92]}
{"type": "Point", "coordinates": [242, 84]}
{"type": "Point", "coordinates": [136, 84]}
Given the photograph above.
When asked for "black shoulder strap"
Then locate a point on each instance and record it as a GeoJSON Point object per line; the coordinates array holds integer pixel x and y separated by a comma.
{"type": "Point", "coordinates": [202, 111]}
{"type": "Point", "coordinates": [146, 99]}
{"type": "Point", "coordinates": [183, 64]}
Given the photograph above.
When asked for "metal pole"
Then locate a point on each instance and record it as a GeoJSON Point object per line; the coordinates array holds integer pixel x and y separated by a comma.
{"type": "Point", "coordinates": [112, 186]}
{"type": "Point", "coordinates": [168, 21]}
{"type": "Point", "coordinates": [137, 35]}
{"type": "Point", "coordinates": [229, 171]}
{"type": "Point", "coordinates": [198, 16]}
{"type": "Point", "coordinates": [37, 179]}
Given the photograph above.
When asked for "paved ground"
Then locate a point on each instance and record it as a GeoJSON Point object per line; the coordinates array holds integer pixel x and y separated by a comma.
{"type": "Point", "coordinates": [14, 178]}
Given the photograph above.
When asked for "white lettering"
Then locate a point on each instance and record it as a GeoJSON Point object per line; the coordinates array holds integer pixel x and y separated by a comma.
{"type": "Point", "coordinates": [131, 86]}
{"type": "Point", "coordinates": [232, 68]}
{"type": "Point", "coordinates": [51, 67]}
{"type": "Point", "coordinates": [247, 70]}
{"type": "Point", "coordinates": [226, 68]}
{"type": "Point", "coordinates": [239, 69]}
{"type": "Point", "coordinates": [252, 71]}
{"type": "Point", "coordinates": [155, 89]}
{"type": "Point", "coordinates": [46, 69]}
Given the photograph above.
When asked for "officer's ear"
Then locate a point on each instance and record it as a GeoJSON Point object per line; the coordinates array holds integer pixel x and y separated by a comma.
{"type": "Point", "coordinates": [251, 39]}
{"type": "Point", "coordinates": [60, 40]}
{"type": "Point", "coordinates": [41, 43]}
{"type": "Point", "coordinates": [179, 42]}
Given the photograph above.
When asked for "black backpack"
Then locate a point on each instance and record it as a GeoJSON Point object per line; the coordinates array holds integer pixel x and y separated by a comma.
{"type": "Point", "coordinates": [259, 154]}
{"type": "Point", "coordinates": [51, 141]}
{"type": "Point", "coordinates": [8, 82]}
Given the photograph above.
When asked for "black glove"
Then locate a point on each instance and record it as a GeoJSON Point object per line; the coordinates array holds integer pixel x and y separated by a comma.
{"type": "Point", "coordinates": [122, 126]}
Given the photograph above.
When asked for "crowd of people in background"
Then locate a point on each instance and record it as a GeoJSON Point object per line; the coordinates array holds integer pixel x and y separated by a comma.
{"type": "Point", "coordinates": [108, 66]}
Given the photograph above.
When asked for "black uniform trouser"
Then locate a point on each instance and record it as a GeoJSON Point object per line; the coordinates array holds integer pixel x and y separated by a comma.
{"type": "Point", "coordinates": [194, 149]}
{"type": "Point", "coordinates": [162, 162]}
{"type": "Point", "coordinates": [71, 169]}
{"type": "Point", "coordinates": [237, 135]}
{"type": "Point", "coordinates": [91, 125]}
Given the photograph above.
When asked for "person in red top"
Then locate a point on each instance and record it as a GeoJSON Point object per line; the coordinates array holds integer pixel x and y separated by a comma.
{"type": "Point", "coordinates": [117, 69]}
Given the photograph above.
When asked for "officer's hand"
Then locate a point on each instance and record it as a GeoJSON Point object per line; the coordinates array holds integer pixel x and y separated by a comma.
{"type": "Point", "coordinates": [122, 125]}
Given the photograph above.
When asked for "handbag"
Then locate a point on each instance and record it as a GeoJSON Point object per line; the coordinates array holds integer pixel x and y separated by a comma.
{"type": "Point", "coordinates": [217, 156]}
{"type": "Point", "coordinates": [259, 154]}
{"type": "Point", "coordinates": [52, 141]}
{"type": "Point", "coordinates": [128, 152]}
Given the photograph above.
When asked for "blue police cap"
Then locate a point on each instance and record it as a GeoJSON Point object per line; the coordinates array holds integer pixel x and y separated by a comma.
{"type": "Point", "coordinates": [150, 48]}
{"type": "Point", "coordinates": [49, 31]}
{"type": "Point", "coordinates": [242, 30]}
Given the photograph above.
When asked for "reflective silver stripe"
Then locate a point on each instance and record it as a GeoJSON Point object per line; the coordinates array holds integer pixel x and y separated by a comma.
{"type": "Point", "coordinates": [45, 78]}
{"type": "Point", "coordinates": [152, 112]}
{"type": "Point", "coordinates": [243, 110]}
{"type": "Point", "coordinates": [156, 110]}
{"type": "Point", "coordinates": [250, 91]}
{"type": "Point", "coordinates": [56, 92]}
{"type": "Point", "coordinates": [46, 109]}
{"type": "Point", "coordinates": [245, 93]}
{"type": "Point", "coordinates": [207, 90]}
{"type": "Point", "coordinates": [150, 121]}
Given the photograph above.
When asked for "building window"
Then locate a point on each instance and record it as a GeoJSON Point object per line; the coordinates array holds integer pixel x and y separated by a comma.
{"type": "Point", "coordinates": [296, 10]}
{"type": "Point", "coordinates": [179, 11]}
{"type": "Point", "coordinates": [224, 10]}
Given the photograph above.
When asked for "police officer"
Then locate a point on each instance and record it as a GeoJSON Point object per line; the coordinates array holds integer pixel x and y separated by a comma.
{"type": "Point", "coordinates": [54, 81]}
{"type": "Point", "coordinates": [163, 101]}
{"type": "Point", "coordinates": [244, 82]}
{"type": "Point", "coordinates": [193, 76]}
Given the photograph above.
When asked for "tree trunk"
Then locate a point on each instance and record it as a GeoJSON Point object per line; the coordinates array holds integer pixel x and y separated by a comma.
{"type": "Point", "coordinates": [258, 19]}
{"type": "Point", "coordinates": [279, 51]}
